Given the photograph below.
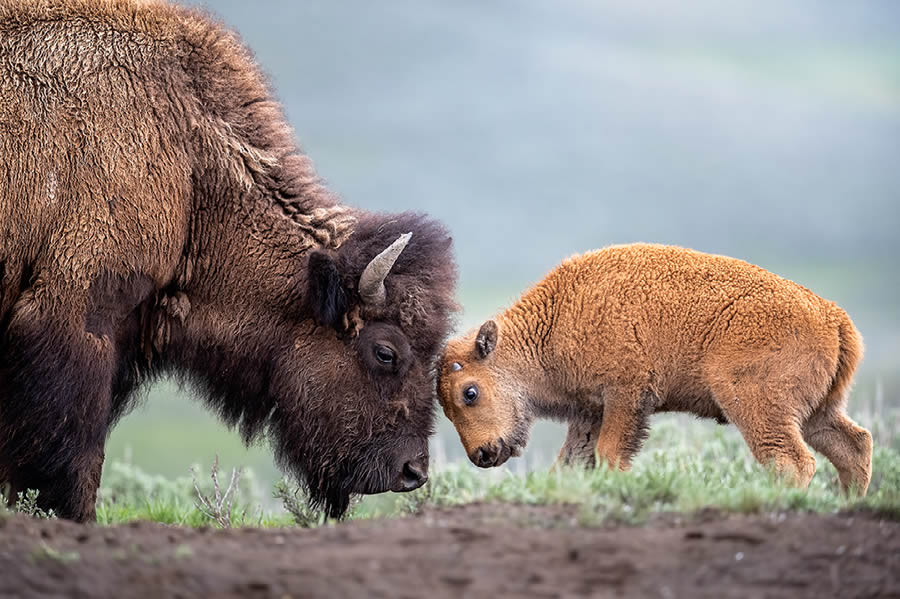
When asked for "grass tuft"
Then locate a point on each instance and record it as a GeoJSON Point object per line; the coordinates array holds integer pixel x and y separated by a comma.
{"type": "Point", "coordinates": [128, 494]}
{"type": "Point", "coordinates": [43, 551]}
{"type": "Point", "coordinates": [296, 502]}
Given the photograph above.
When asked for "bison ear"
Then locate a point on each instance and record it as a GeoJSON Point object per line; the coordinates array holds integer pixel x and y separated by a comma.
{"type": "Point", "coordinates": [326, 298]}
{"type": "Point", "coordinates": [486, 340]}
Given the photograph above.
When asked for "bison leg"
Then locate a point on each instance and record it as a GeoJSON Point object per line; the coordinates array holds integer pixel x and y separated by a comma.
{"type": "Point", "coordinates": [55, 381]}
{"type": "Point", "coordinates": [846, 445]}
{"type": "Point", "coordinates": [626, 421]}
{"type": "Point", "coordinates": [580, 444]}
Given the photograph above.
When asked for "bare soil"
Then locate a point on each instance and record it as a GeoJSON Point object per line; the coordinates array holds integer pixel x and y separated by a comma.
{"type": "Point", "coordinates": [474, 551]}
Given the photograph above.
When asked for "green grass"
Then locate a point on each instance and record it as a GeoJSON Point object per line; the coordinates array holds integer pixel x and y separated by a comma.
{"type": "Point", "coordinates": [686, 466]}
{"type": "Point", "coordinates": [128, 493]}
{"type": "Point", "coordinates": [709, 469]}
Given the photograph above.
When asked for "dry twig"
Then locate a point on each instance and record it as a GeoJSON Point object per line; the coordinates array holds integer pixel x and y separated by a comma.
{"type": "Point", "coordinates": [219, 506]}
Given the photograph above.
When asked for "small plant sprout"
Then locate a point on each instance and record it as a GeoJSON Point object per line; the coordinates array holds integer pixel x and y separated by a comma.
{"type": "Point", "coordinates": [27, 504]}
{"type": "Point", "coordinates": [217, 507]}
{"type": "Point", "coordinates": [296, 503]}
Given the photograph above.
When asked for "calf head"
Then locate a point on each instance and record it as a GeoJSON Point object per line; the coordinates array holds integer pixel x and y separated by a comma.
{"type": "Point", "coordinates": [484, 398]}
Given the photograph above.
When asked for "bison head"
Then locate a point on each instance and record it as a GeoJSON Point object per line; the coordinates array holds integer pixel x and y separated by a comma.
{"type": "Point", "coordinates": [354, 391]}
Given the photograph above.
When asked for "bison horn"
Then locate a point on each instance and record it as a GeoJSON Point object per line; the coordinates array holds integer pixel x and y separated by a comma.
{"type": "Point", "coordinates": [371, 283]}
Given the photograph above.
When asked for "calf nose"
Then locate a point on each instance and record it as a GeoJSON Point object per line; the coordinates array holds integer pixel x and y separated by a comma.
{"type": "Point", "coordinates": [414, 475]}
{"type": "Point", "coordinates": [483, 457]}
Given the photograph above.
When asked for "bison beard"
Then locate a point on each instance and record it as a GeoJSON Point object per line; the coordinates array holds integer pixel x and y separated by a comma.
{"type": "Point", "coordinates": [331, 485]}
{"type": "Point", "coordinates": [164, 223]}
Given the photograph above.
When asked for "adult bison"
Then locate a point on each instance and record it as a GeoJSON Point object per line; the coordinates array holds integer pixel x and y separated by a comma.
{"type": "Point", "coordinates": [157, 218]}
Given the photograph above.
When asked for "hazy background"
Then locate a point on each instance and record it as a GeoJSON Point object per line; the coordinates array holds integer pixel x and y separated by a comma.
{"type": "Point", "coordinates": [769, 131]}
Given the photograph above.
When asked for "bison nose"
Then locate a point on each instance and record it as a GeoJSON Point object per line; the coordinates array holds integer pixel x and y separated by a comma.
{"type": "Point", "coordinates": [414, 475]}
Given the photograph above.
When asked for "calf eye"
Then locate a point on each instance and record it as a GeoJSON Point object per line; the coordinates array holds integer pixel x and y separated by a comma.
{"type": "Point", "coordinates": [385, 355]}
{"type": "Point", "coordinates": [470, 395]}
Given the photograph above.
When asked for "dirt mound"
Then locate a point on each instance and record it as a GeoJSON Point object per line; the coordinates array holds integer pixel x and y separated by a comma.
{"type": "Point", "coordinates": [476, 551]}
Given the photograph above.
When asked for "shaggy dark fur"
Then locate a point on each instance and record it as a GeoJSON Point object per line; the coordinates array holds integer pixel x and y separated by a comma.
{"type": "Point", "coordinates": [156, 218]}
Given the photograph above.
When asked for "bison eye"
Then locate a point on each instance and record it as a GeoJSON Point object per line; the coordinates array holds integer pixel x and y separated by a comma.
{"type": "Point", "coordinates": [385, 355]}
{"type": "Point", "coordinates": [470, 395]}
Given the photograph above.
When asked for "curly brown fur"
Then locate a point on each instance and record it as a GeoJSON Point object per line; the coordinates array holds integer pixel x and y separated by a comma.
{"type": "Point", "coordinates": [612, 336]}
{"type": "Point", "coordinates": [157, 218]}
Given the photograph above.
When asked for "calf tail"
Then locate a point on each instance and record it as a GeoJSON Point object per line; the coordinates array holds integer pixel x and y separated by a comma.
{"type": "Point", "coordinates": [850, 352]}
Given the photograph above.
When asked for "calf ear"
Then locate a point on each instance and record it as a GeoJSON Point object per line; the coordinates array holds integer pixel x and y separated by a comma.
{"type": "Point", "coordinates": [325, 297]}
{"type": "Point", "coordinates": [486, 340]}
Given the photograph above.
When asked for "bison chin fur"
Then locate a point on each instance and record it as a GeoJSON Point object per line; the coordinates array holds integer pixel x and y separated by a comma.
{"type": "Point", "coordinates": [331, 480]}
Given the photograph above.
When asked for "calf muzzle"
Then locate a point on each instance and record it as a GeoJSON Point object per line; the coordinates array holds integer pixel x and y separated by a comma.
{"type": "Point", "coordinates": [492, 454]}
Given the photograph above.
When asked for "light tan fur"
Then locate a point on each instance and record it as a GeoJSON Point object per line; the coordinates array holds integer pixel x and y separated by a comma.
{"type": "Point", "coordinates": [612, 336]}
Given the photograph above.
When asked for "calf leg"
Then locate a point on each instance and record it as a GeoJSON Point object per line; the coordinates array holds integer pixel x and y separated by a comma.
{"type": "Point", "coordinates": [581, 442]}
{"type": "Point", "coordinates": [626, 421]}
{"type": "Point", "coordinates": [54, 408]}
{"type": "Point", "coordinates": [846, 445]}
{"type": "Point", "coordinates": [768, 422]}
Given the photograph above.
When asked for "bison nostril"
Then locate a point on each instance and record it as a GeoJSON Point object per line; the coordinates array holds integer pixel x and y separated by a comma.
{"type": "Point", "coordinates": [414, 475]}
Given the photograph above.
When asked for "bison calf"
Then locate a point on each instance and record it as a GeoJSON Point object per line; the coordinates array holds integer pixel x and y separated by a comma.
{"type": "Point", "coordinates": [612, 336]}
